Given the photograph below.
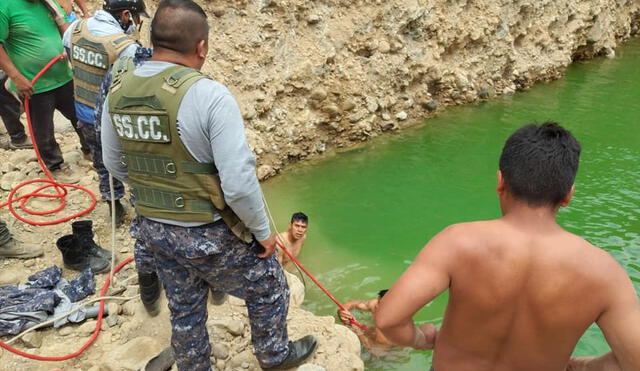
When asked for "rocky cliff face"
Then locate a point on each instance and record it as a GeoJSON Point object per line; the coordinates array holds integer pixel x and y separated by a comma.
{"type": "Point", "coordinates": [312, 75]}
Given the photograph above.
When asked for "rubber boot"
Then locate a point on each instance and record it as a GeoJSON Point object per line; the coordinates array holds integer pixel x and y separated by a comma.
{"type": "Point", "coordinates": [120, 212]}
{"type": "Point", "coordinates": [83, 230]}
{"type": "Point", "coordinates": [299, 352]}
{"type": "Point", "coordinates": [149, 292]}
{"type": "Point", "coordinates": [78, 258]}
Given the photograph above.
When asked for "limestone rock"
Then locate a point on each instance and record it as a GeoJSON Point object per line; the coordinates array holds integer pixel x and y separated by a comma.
{"type": "Point", "coordinates": [9, 276]}
{"type": "Point", "coordinates": [233, 326]}
{"type": "Point", "coordinates": [87, 328]}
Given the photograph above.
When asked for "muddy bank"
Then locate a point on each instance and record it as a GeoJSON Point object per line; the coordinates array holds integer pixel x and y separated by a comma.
{"type": "Point", "coordinates": [315, 75]}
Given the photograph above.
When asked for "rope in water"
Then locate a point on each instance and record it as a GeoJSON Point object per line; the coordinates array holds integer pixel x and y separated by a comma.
{"type": "Point", "coordinates": [60, 188]}
{"type": "Point", "coordinates": [300, 266]}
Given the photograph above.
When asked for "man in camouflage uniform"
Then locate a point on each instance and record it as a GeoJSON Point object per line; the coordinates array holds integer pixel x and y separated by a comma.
{"type": "Point", "coordinates": [181, 138]}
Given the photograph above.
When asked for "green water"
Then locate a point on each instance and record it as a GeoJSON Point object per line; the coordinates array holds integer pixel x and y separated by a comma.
{"type": "Point", "coordinates": [371, 209]}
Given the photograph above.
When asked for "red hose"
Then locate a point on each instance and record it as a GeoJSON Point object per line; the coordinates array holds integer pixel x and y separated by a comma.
{"type": "Point", "coordinates": [60, 188]}
{"type": "Point", "coordinates": [61, 192]}
{"type": "Point", "coordinates": [326, 292]}
{"type": "Point", "coordinates": [93, 337]}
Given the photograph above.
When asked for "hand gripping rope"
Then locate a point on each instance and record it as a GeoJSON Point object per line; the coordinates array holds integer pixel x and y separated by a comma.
{"type": "Point", "coordinates": [61, 193]}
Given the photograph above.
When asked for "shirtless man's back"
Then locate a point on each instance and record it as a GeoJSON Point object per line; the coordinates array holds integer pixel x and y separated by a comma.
{"type": "Point", "coordinates": [522, 291]}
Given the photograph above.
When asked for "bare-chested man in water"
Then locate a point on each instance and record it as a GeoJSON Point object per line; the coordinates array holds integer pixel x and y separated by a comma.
{"type": "Point", "coordinates": [522, 290]}
{"type": "Point", "coordinates": [293, 238]}
{"type": "Point", "coordinates": [372, 338]}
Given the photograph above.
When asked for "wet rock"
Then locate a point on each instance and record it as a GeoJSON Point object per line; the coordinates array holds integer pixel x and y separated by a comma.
{"type": "Point", "coordinates": [132, 355]}
{"type": "Point", "coordinates": [430, 105]}
{"type": "Point", "coordinates": [220, 351]}
{"type": "Point", "coordinates": [483, 94]}
{"type": "Point", "coordinates": [32, 340]}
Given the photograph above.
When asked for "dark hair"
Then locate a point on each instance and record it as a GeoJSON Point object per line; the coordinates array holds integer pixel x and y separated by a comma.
{"type": "Point", "coordinates": [299, 217]}
{"type": "Point", "coordinates": [382, 293]}
{"type": "Point", "coordinates": [539, 163]}
{"type": "Point", "coordinates": [179, 25]}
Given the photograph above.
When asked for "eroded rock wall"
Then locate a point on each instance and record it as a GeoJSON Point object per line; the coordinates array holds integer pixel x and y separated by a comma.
{"type": "Point", "coordinates": [311, 75]}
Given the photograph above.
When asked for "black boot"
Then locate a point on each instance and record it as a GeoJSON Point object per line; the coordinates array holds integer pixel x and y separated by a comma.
{"type": "Point", "coordinates": [120, 212]}
{"type": "Point", "coordinates": [76, 257]}
{"type": "Point", "coordinates": [149, 292]}
{"type": "Point", "coordinates": [83, 230]}
{"type": "Point", "coordinates": [299, 351]}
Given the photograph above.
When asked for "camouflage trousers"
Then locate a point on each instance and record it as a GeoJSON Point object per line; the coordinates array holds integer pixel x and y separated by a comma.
{"type": "Point", "coordinates": [144, 259]}
{"type": "Point", "coordinates": [190, 261]}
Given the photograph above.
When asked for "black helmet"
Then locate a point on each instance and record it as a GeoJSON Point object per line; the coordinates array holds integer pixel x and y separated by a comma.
{"type": "Point", "coordinates": [135, 6]}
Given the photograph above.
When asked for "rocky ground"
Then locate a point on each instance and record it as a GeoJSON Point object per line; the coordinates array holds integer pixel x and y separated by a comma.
{"type": "Point", "coordinates": [311, 76]}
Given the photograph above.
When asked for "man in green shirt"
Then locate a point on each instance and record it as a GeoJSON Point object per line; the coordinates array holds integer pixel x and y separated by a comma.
{"type": "Point", "coordinates": [29, 39]}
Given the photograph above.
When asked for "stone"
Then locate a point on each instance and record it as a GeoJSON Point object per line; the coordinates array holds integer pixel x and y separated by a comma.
{"type": "Point", "coordinates": [220, 351]}
{"type": "Point", "coordinates": [384, 47]}
{"type": "Point", "coordinates": [313, 19]}
{"type": "Point", "coordinates": [430, 106]}
{"type": "Point", "coordinates": [32, 340]}
{"type": "Point", "coordinates": [219, 11]}
{"type": "Point", "coordinates": [233, 326]}
{"type": "Point", "coordinates": [22, 157]}
{"type": "Point", "coordinates": [9, 276]}
{"type": "Point", "coordinates": [483, 94]}
{"type": "Point", "coordinates": [87, 328]}
{"type": "Point", "coordinates": [129, 308]}
{"type": "Point", "coordinates": [296, 290]}
{"type": "Point", "coordinates": [244, 357]}
{"type": "Point", "coordinates": [113, 320]}
{"type": "Point", "coordinates": [402, 115]}
{"type": "Point", "coordinates": [318, 94]}
{"type": "Point", "coordinates": [265, 171]}
{"type": "Point", "coordinates": [72, 157]}
{"type": "Point", "coordinates": [347, 106]}
{"type": "Point", "coordinates": [311, 367]}
{"type": "Point", "coordinates": [372, 104]}
{"type": "Point", "coordinates": [65, 331]}
{"type": "Point", "coordinates": [220, 364]}
{"type": "Point", "coordinates": [133, 354]}
{"type": "Point", "coordinates": [113, 308]}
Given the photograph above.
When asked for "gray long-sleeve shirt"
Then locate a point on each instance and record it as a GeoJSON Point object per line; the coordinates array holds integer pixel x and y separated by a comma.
{"type": "Point", "coordinates": [212, 130]}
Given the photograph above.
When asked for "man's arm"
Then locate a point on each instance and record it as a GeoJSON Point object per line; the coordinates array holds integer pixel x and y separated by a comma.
{"type": "Point", "coordinates": [620, 322]}
{"type": "Point", "coordinates": [358, 304]}
{"type": "Point", "coordinates": [23, 85]}
{"type": "Point", "coordinates": [425, 279]}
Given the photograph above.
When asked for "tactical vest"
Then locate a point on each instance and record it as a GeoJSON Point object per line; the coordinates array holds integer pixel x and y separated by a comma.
{"type": "Point", "coordinates": [167, 181]}
{"type": "Point", "coordinates": [91, 57]}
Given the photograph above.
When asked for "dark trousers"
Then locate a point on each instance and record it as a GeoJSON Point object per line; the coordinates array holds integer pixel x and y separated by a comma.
{"type": "Point", "coordinates": [41, 107]}
{"type": "Point", "coordinates": [10, 113]}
